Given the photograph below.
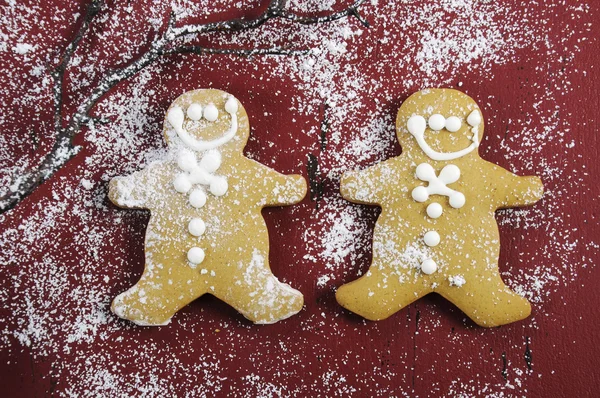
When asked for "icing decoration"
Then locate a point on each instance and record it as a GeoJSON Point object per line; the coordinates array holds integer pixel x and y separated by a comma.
{"type": "Point", "coordinates": [431, 238]}
{"type": "Point", "coordinates": [197, 198]}
{"type": "Point", "coordinates": [416, 126]}
{"type": "Point", "coordinates": [195, 255]}
{"type": "Point", "coordinates": [175, 117]}
{"type": "Point", "coordinates": [211, 161]}
{"type": "Point", "coordinates": [453, 124]}
{"type": "Point", "coordinates": [186, 160]}
{"type": "Point", "coordinates": [428, 266]}
{"type": "Point", "coordinates": [194, 112]}
{"type": "Point", "coordinates": [474, 118]}
{"type": "Point", "coordinates": [438, 184]}
{"type": "Point", "coordinates": [196, 227]}
{"type": "Point", "coordinates": [218, 186]}
{"type": "Point", "coordinates": [434, 210]}
{"type": "Point", "coordinates": [182, 183]}
{"type": "Point", "coordinates": [211, 113]}
{"type": "Point", "coordinates": [437, 122]}
{"type": "Point", "coordinates": [231, 106]}
{"type": "Point", "coordinates": [201, 173]}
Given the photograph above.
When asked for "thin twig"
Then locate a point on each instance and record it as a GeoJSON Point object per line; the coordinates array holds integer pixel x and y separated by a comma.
{"type": "Point", "coordinates": [235, 51]}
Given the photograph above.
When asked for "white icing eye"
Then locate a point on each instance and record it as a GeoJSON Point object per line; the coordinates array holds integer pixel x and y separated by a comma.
{"type": "Point", "coordinates": [186, 160]}
{"type": "Point", "coordinates": [453, 124]}
{"type": "Point", "coordinates": [211, 113]}
{"type": "Point", "coordinates": [416, 125]}
{"type": "Point", "coordinates": [420, 194]}
{"type": "Point", "coordinates": [194, 112]}
{"type": "Point", "coordinates": [196, 227]}
{"type": "Point", "coordinates": [195, 255]}
{"type": "Point", "coordinates": [197, 198]}
{"type": "Point", "coordinates": [449, 174]}
{"type": "Point", "coordinates": [182, 184]}
{"type": "Point", "coordinates": [211, 161]}
{"type": "Point", "coordinates": [435, 210]}
{"type": "Point", "coordinates": [457, 200]}
{"type": "Point", "coordinates": [428, 266]}
{"type": "Point", "coordinates": [425, 172]}
{"type": "Point", "coordinates": [218, 186]}
{"type": "Point", "coordinates": [437, 122]}
{"type": "Point", "coordinates": [474, 118]}
{"type": "Point", "coordinates": [231, 106]}
{"type": "Point", "coordinates": [431, 238]}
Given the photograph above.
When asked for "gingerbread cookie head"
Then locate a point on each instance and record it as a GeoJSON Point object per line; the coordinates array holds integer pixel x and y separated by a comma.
{"type": "Point", "coordinates": [207, 119]}
{"type": "Point", "coordinates": [442, 124]}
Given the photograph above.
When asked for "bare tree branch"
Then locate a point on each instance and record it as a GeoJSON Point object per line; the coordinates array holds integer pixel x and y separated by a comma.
{"type": "Point", "coordinates": [235, 51]}
{"type": "Point", "coordinates": [167, 44]}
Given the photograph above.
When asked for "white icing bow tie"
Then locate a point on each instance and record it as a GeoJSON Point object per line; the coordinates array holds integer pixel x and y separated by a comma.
{"type": "Point", "coordinates": [200, 173]}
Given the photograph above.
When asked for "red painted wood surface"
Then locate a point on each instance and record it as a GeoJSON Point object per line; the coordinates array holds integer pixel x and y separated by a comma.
{"type": "Point", "coordinates": [66, 252]}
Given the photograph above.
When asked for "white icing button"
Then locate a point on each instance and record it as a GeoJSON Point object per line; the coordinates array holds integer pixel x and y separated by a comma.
{"type": "Point", "coordinates": [195, 255]}
{"type": "Point", "coordinates": [196, 227]}
{"type": "Point", "coordinates": [211, 113]}
{"type": "Point", "coordinates": [194, 112]}
{"type": "Point", "coordinates": [435, 210]}
{"type": "Point", "coordinates": [474, 118]}
{"type": "Point", "coordinates": [453, 124]}
{"type": "Point", "coordinates": [428, 266]}
{"type": "Point", "coordinates": [231, 106]}
{"type": "Point", "coordinates": [211, 161]}
{"type": "Point", "coordinates": [420, 194]}
{"type": "Point", "coordinates": [431, 238]}
{"type": "Point", "coordinates": [182, 184]}
{"type": "Point", "coordinates": [197, 198]}
{"type": "Point", "coordinates": [218, 186]}
{"type": "Point", "coordinates": [425, 172]}
{"type": "Point", "coordinates": [457, 200]}
{"type": "Point", "coordinates": [449, 174]}
{"type": "Point", "coordinates": [186, 160]}
{"type": "Point", "coordinates": [437, 122]}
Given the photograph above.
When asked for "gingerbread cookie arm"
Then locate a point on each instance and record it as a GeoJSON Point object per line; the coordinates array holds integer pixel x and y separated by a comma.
{"type": "Point", "coordinates": [280, 189]}
{"type": "Point", "coordinates": [133, 191]}
{"type": "Point", "coordinates": [513, 190]}
{"type": "Point", "coordinates": [367, 186]}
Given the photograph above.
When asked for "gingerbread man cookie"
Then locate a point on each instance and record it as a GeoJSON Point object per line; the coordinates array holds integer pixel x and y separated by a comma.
{"type": "Point", "coordinates": [206, 233]}
{"type": "Point", "coordinates": [437, 231]}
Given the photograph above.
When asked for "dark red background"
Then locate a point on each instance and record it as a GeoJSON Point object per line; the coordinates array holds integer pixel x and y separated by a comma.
{"type": "Point", "coordinates": [59, 278]}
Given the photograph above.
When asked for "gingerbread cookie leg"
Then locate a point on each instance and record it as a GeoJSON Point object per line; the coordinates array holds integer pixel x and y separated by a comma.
{"type": "Point", "coordinates": [150, 303]}
{"type": "Point", "coordinates": [257, 294]}
{"type": "Point", "coordinates": [378, 294]}
{"type": "Point", "coordinates": [488, 301]}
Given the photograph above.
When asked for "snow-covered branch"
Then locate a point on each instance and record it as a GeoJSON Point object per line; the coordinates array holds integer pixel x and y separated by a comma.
{"type": "Point", "coordinates": [169, 43]}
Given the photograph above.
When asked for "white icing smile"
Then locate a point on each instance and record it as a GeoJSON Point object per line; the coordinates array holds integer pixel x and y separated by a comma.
{"type": "Point", "coordinates": [416, 126]}
{"type": "Point", "coordinates": [176, 118]}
